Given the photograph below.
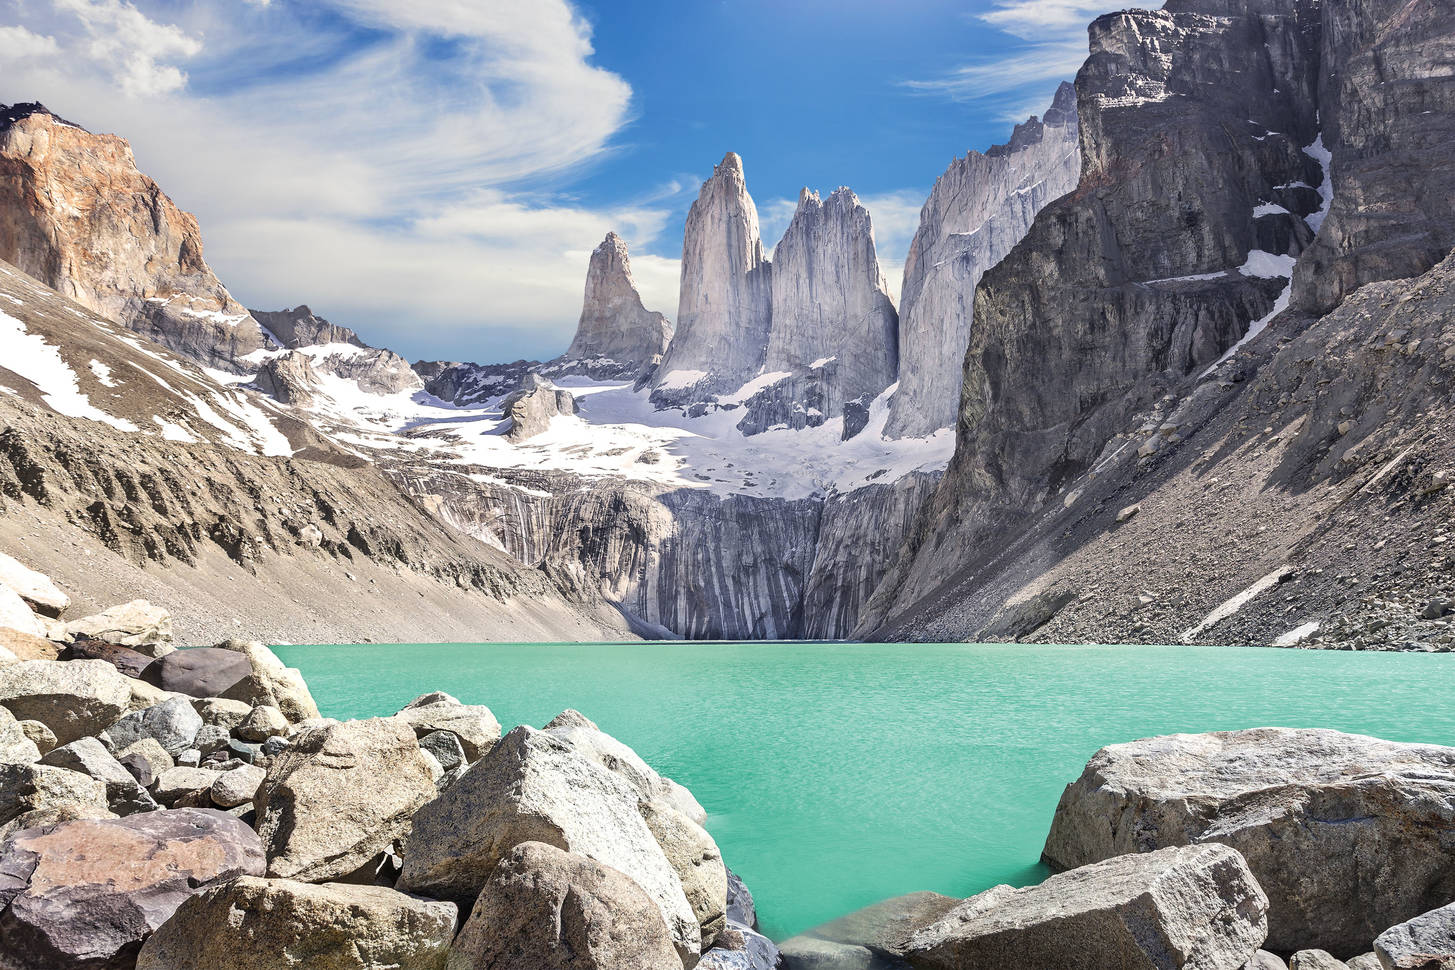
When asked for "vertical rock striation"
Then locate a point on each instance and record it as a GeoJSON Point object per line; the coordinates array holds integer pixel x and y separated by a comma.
{"type": "Point", "coordinates": [980, 208]}
{"type": "Point", "coordinates": [616, 334]}
{"type": "Point", "coordinates": [76, 214]}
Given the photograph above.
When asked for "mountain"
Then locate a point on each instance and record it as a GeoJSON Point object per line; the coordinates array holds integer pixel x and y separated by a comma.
{"type": "Point", "coordinates": [977, 211]}
{"type": "Point", "coordinates": [1169, 372]}
{"type": "Point", "coordinates": [76, 214]}
{"type": "Point", "coordinates": [616, 336]}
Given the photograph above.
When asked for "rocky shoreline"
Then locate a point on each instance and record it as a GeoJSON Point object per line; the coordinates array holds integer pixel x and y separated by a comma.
{"type": "Point", "coordinates": [164, 809]}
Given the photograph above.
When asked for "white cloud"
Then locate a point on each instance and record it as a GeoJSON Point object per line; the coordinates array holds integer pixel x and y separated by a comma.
{"type": "Point", "coordinates": [21, 44]}
{"type": "Point", "coordinates": [138, 52]}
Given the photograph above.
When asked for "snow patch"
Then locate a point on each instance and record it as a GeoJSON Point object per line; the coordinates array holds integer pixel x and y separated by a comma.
{"type": "Point", "coordinates": [680, 379]}
{"type": "Point", "coordinates": [1235, 604]}
{"type": "Point", "coordinates": [1325, 158]}
{"type": "Point", "coordinates": [28, 355]}
{"type": "Point", "coordinates": [1297, 634]}
{"type": "Point", "coordinates": [1266, 265]}
{"type": "Point", "coordinates": [102, 372]}
{"type": "Point", "coordinates": [760, 383]}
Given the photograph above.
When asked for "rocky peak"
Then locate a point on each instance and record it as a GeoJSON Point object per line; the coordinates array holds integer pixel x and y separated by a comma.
{"type": "Point", "coordinates": [76, 214]}
{"type": "Point", "coordinates": [980, 208]}
{"type": "Point", "coordinates": [723, 312]}
{"type": "Point", "coordinates": [615, 330]}
{"type": "Point", "coordinates": [11, 113]}
{"type": "Point", "coordinates": [301, 327]}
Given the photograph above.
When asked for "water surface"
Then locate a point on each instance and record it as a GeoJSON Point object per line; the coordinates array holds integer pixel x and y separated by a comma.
{"type": "Point", "coordinates": [837, 775]}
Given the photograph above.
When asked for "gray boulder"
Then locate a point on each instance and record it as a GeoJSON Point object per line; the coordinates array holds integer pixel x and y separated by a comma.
{"type": "Point", "coordinates": [30, 788]}
{"type": "Point", "coordinates": [1315, 960]}
{"type": "Point", "coordinates": [740, 907]}
{"type": "Point", "coordinates": [1347, 835]}
{"type": "Point", "coordinates": [1365, 961]}
{"type": "Point", "coordinates": [1263, 960]}
{"type": "Point", "coordinates": [16, 747]}
{"type": "Point", "coordinates": [586, 739]}
{"type": "Point", "coordinates": [1195, 907]}
{"type": "Point", "coordinates": [740, 947]}
{"type": "Point", "coordinates": [236, 670]}
{"type": "Point", "coordinates": [339, 795]}
{"type": "Point", "coordinates": [173, 724]}
{"type": "Point", "coordinates": [62, 904]}
{"type": "Point", "coordinates": [445, 748]}
{"type": "Point", "coordinates": [124, 794]}
{"type": "Point", "coordinates": [176, 784]}
{"type": "Point", "coordinates": [274, 924]}
{"type": "Point", "coordinates": [546, 909]}
{"type": "Point", "coordinates": [1426, 942]}
{"type": "Point", "coordinates": [473, 724]}
{"type": "Point", "coordinates": [221, 712]}
{"type": "Point", "coordinates": [532, 787]}
{"type": "Point", "coordinates": [73, 698]}
{"type": "Point", "coordinates": [871, 938]}
{"type": "Point", "coordinates": [236, 786]}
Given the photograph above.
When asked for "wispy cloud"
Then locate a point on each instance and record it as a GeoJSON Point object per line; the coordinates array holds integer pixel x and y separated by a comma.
{"type": "Point", "coordinates": [396, 165]}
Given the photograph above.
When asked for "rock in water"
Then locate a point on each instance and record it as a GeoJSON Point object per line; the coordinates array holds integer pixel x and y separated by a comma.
{"type": "Point", "coordinates": [1346, 834]}
{"type": "Point", "coordinates": [871, 938]}
{"type": "Point", "coordinates": [545, 909]}
{"type": "Point", "coordinates": [338, 795]}
{"type": "Point", "coordinates": [615, 328]}
{"type": "Point", "coordinates": [533, 787]}
{"type": "Point", "coordinates": [1195, 907]}
{"type": "Point", "coordinates": [73, 698]}
{"type": "Point", "coordinates": [277, 924]}
{"type": "Point", "coordinates": [724, 310]}
{"type": "Point", "coordinates": [79, 217]}
{"type": "Point", "coordinates": [1426, 942]}
{"type": "Point", "coordinates": [977, 211]}
{"type": "Point", "coordinates": [86, 893]}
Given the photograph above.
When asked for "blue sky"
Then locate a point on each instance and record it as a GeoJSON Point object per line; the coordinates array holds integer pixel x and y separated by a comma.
{"type": "Point", "coordinates": [435, 174]}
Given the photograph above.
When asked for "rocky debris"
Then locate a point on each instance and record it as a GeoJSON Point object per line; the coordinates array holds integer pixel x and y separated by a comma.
{"type": "Point", "coordinates": [616, 333]}
{"type": "Point", "coordinates": [977, 211]}
{"type": "Point", "coordinates": [86, 893]}
{"type": "Point", "coordinates": [236, 786]}
{"type": "Point", "coordinates": [543, 908]}
{"type": "Point", "coordinates": [149, 751]}
{"type": "Point", "coordinates": [338, 795]}
{"type": "Point", "coordinates": [301, 327]}
{"type": "Point", "coordinates": [73, 699]}
{"type": "Point", "coordinates": [135, 624]}
{"type": "Point", "coordinates": [173, 724]}
{"type": "Point", "coordinates": [39, 593]}
{"type": "Point", "coordinates": [531, 408]}
{"type": "Point", "coordinates": [725, 305]}
{"type": "Point", "coordinates": [871, 938]}
{"type": "Point", "coordinates": [88, 756]}
{"type": "Point", "coordinates": [1426, 942]}
{"type": "Point", "coordinates": [79, 217]}
{"type": "Point", "coordinates": [375, 371]}
{"type": "Point", "coordinates": [185, 783]}
{"type": "Point", "coordinates": [221, 712]}
{"type": "Point", "coordinates": [1346, 834]}
{"type": "Point", "coordinates": [472, 724]}
{"type": "Point", "coordinates": [532, 786]}
{"type": "Point", "coordinates": [1194, 906]}
{"type": "Point", "coordinates": [261, 924]}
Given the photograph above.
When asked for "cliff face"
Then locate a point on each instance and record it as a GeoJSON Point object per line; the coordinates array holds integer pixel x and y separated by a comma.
{"type": "Point", "coordinates": [980, 208]}
{"type": "Point", "coordinates": [616, 334]}
{"type": "Point", "coordinates": [77, 215]}
{"type": "Point", "coordinates": [1090, 384]}
{"type": "Point", "coordinates": [301, 327]}
{"type": "Point", "coordinates": [723, 312]}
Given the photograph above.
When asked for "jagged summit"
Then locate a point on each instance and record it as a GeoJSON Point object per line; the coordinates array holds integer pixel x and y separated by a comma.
{"type": "Point", "coordinates": [11, 113]}
{"type": "Point", "coordinates": [616, 331]}
{"type": "Point", "coordinates": [1060, 114]}
{"type": "Point", "coordinates": [301, 327]}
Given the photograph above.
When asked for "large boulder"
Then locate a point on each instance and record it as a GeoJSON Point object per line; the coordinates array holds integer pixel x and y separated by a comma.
{"type": "Point", "coordinates": [130, 662]}
{"type": "Point", "coordinates": [16, 614]}
{"type": "Point", "coordinates": [236, 670]}
{"type": "Point", "coordinates": [1347, 835]}
{"type": "Point", "coordinates": [339, 795]}
{"type": "Point", "coordinates": [278, 924]}
{"type": "Point", "coordinates": [173, 724]}
{"type": "Point", "coordinates": [740, 947]}
{"type": "Point", "coordinates": [74, 699]}
{"type": "Point", "coordinates": [871, 938]}
{"type": "Point", "coordinates": [698, 863]}
{"type": "Point", "coordinates": [533, 787]}
{"type": "Point", "coordinates": [176, 784]}
{"type": "Point", "coordinates": [1194, 907]}
{"type": "Point", "coordinates": [42, 595]}
{"type": "Point", "coordinates": [586, 739]}
{"type": "Point", "coordinates": [124, 795]}
{"type": "Point", "coordinates": [236, 786]}
{"type": "Point", "coordinates": [29, 788]}
{"type": "Point", "coordinates": [16, 747]}
{"type": "Point", "coordinates": [474, 725]}
{"type": "Point", "coordinates": [134, 624]}
{"type": "Point", "coordinates": [1426, 942]}
{"type": "Point", "coordinates": [28, 646]}
{"type": "Point", "coordinates": [546, 909]}
{"type": "Point", "coordinates": [86, 893]}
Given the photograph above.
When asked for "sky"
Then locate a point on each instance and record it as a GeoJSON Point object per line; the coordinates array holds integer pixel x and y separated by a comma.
{"type": "Point", "coordinates": [435, 173]}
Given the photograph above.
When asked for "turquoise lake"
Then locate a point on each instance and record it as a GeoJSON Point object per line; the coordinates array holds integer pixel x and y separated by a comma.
{"type": "Point", "coordinates": [837, 775]}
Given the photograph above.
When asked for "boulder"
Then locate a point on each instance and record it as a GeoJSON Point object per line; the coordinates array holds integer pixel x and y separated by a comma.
{"type": "Point", "coordinates": [236, 670]}
{"type": "Point", "coordinates": [17, 616]}
{"type": "Point", "coordinates": [1364, 961]}
{"type": "Point", "coordinates": [1263, 960]}
{"type": "Point", "coordinates": [1348, 835]}
{"type": "Point", "coordinates": [262, 723]}
{"type": "Point", "coordinates": [740, 947]}
{"type": "Point", "coordinates": [148, 750]}
{"type": "Point", "coordinates": [1426, 942]}
{"type": "Point", "coordinates": [278, 924]}
{"type": "Point", "coordinates": [533, 787]}
{"type": "Point", "coordinates": [130, 662]}
{"type": "Point", "coordinates": [588, 740]}
{"type": "Point", "coordinates": [546, 909]}
{"type": "Point", "coordinates": [39, 593]}
{"type": "Point", "coordinates": [173, 724]}
{"type": "Point", "coordinates": [139, 768]}
{"type": "Point", "coordinates": [177, 783]}
{"type": "Point", "coordinates": [212, 738]}
{"type": "Point", "coordinates": [74, 699]}
{"type": "Point", "coordinates": [473, 724]}
{"type": "Point", "coordinates": [445, 748]}
{"type": "Point", "coordinates": [221, 712]}
{"type": "Point", "coordinates": [273, 682]}
{"type": "Point", "coordinates": [27, 788]}
{"type": "Point", "coordinates": [124, 794]}
{"type": "Point", "coordinates": [1195, 907]}
{"type": "Point", "coordinates": [1315, 960]}
{"type": "Point", "coordinates": [338, 795]}
{"type": "Point", "coordinates": [43, 737]}
{"type": "Point", "coordinates": [740, 908]}
{"type": "Point", "coordinates": [871, 938]}
{"type": "Point", "coordinates": [86, 893]}
{"type": "Point", "coordinates": [16, 747]}
{"type": "Point", "coordinates": [27, 646]}
{"type": "Point", "coordinates": [698, 864]}
{"type": "Point", "coordinates": [236, 786]}
{"type": "Point", "coordinates": [134, 624]}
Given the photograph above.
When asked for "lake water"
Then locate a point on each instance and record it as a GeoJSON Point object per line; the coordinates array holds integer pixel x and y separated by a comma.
{"type": "Point", "coordinates": [837, 775]}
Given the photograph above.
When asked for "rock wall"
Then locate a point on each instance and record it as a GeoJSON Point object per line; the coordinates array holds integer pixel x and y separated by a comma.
{"type": "Point", "coordinates": [980, 208]}
{"type": "Point", "coordinates": [301, 327]}
{"type": "Point", "coordinates": [615, 329]}
{"type": "Point", "coordinates": [76, 214]}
